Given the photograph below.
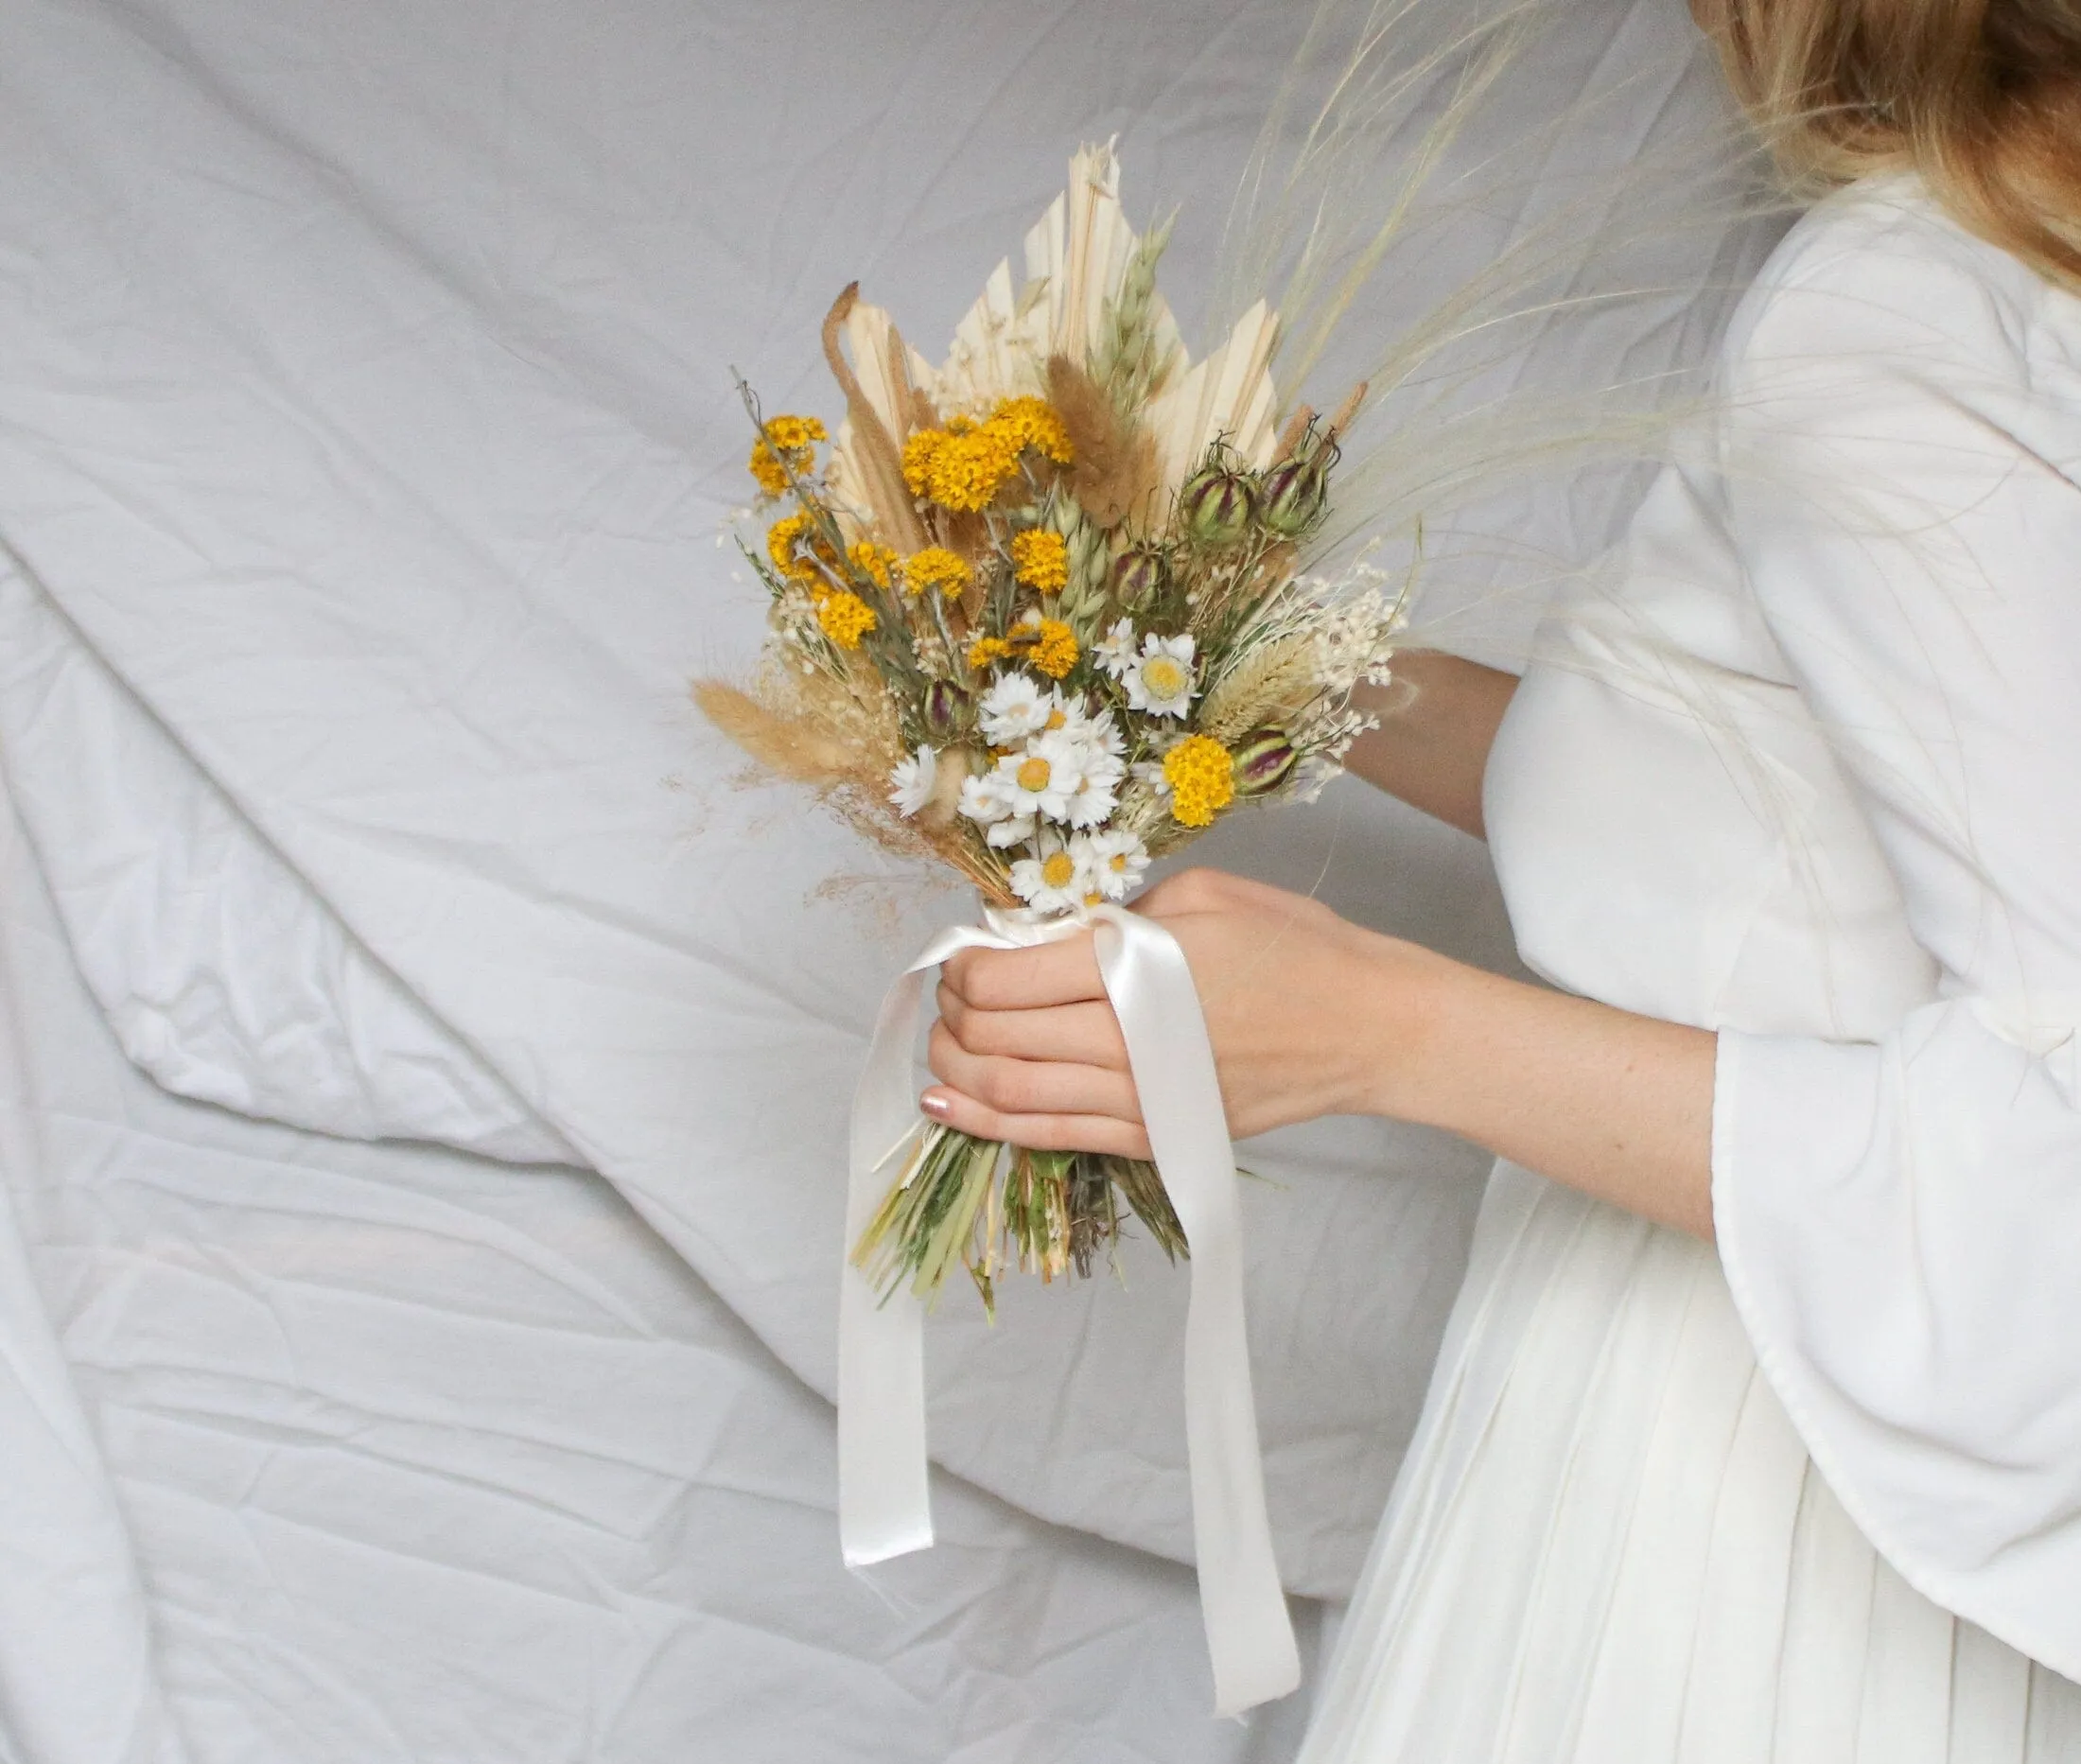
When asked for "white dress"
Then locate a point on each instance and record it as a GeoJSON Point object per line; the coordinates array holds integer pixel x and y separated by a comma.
{"type": "Point", "coordinates": [1803, 767]}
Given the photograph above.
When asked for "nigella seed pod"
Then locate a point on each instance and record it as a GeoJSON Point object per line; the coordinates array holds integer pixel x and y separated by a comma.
{"type": "Point", "coordinates": [946, 708]}
{"type": "Point", "coordinates": [1137, 575]}
{"type": "Point", "coordinates": [1218, 504]}
{"type": "Point", "coordinates": [1293, 497]}
{"type": "Point", "coordinates": [1264, 760]}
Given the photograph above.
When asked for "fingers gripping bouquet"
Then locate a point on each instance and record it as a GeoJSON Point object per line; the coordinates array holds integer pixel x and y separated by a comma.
{"type": "Point", "coordinates": [1041, 613]}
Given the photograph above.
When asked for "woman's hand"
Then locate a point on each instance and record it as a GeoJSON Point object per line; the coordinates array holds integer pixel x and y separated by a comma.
{"type": "Point", "coordinates": [1304, 1010]}
{"type": "Point", "coordinates": [1310, 1015]}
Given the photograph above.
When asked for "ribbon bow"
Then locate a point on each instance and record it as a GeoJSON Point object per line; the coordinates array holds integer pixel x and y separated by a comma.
{"type": "Point", "coordinates": [884, 1507]}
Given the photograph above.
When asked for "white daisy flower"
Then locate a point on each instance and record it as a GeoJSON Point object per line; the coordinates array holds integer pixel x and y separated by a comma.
{"type": "Point", "coordinates": [1098, 729]}
{"type": "Point", "coordinates": [913, 780]}
{"type": "Point", "coordinates": [1114, 651]}
{"type": "Point", "coordinates": [1014, 707]}
{"type": "Point", "coordinates": [1041, 780]}
{"type": "Point", "coordinates": [1112, 860]}
{"type": "Point", "coordinates": [1160, 680]}
{"type": "Point", "coordinates": [985, 799]}
{"type": "Point", "coordinates": [988, 799]}
{"type": "Point", "coordinates": [1015, 831]}
{"type": "Point", "coordinates": [1098, 792]}
{"type": "Point", "coordinates": [1055, 884]}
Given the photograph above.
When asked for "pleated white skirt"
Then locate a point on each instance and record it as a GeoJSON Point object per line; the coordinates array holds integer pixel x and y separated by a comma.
{"type": "Point", "coordinates": [1607, 1546]}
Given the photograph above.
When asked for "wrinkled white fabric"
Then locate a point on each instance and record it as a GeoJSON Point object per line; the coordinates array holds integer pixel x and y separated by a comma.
{"type": "Point", "coordinates": [1798, 767]}
{"type": "Point", "coordinates": [221, 971]}
{"type": "Point", "coordinates": [324, 1452]}
{"type": "Point", "coordinates": [367, 416]}
{"type": "Point", "coordinates": [365, 424]}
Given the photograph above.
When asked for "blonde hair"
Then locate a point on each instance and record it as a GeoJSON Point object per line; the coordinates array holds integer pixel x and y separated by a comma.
{"type": "Point", "coordinates": [1983, 97]}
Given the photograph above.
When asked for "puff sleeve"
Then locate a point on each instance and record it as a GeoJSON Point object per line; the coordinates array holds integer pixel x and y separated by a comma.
{"type": "Point", "coordinates": [1900, 1221]}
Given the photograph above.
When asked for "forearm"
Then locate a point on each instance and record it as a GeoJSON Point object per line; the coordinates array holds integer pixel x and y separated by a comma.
{"type": "Point", "coordinates": [1438, 719]}
{"type": "Point", "coordinates": [1614, 1103]}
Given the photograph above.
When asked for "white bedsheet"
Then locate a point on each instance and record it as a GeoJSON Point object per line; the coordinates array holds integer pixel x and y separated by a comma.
{"type": "Point", "coordinates": [384, 1454]}
{"type": "Point", "coordinates": [363, 430]}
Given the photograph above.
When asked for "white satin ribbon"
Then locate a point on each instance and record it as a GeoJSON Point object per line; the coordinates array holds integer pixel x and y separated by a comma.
{"type": "Point", "coordinates": [883, 1508]}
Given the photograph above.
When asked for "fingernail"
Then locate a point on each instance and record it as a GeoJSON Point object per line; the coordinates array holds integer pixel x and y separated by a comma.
{"type": "Point", "coordinates": [936, 1103]}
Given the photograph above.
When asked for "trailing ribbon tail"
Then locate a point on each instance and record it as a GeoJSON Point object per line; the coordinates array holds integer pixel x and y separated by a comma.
{"type": "Point", "coordinates": [884, 1507]}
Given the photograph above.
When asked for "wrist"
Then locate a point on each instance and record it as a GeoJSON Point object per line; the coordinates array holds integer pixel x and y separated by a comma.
{"type": "Point", "coordinates": [1408, 1002]}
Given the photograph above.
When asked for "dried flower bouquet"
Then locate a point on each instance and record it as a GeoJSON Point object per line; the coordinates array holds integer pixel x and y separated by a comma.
{"type": "Point", "coordinates": [1040, 614]}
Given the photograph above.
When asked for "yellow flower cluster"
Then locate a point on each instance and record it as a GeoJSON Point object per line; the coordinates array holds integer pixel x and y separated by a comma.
{"type": "Point", "coordinates": [1038, 426]}
{"type": "Point", "coordinates": [938, 568]}
{"type": "Point", "coordinates": [918, 453]}
{"type": "Point", "coordinates": [846, 618]}
{"type": "Point", "coordinates": [969, 468]}
{"type": "Point", "coordinates": [964, 465]}
{"type": "Point", "coordinates": [796, 549]}
{"type": "Point", "coordinates": [1040, 559]}
{"type": "Point", "coordinates": [785, 443]}
{"type": "Point", "coordinates": [875, 562]}
{"type": "Point", "coordinates": [1201, 774]}
{"type": "Point", "coordinates": [1053, 648]}
{"type": "Point", "coordinates": [781, 540]}
{"type": "Point", "coordinates": [1048, 644]}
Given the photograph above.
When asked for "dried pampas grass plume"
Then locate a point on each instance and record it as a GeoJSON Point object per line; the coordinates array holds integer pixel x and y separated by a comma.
{"type": "Point", "coordinates": [1114, 477]}
{"type": "Point", "coordinates": [784, 745]}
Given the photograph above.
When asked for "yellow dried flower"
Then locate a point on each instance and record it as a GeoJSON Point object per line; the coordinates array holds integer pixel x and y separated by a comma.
{"type": "Point", "coordinates": [918, 453]}
{"type": "Point", "coordinates": [1040, 559]}
{"type": "Point", "coordinates": [936, 568]}
{"type": "Point", "coordinates": [1053, 648]}
{"type": "Point", "coordinates": [968, 469]}
{"type": "Point", "coordinates": [872, 561]}
{"type": "Point", "coordinates": [785, 442]}
{"type": "Point", "coordinates": [1038, 426]}
{"type": "Point", "coordinates": [986, 650]}
{"type": "Point", "coordinates": [795, 435]}
{"type": "Point", "coordinates": [789, 539]}
{"type": "Point", "coordinates": [846, 618]}
{"type": "Point", "coordinates": [1201, 774]}
{"type": "Point", "coordinates": [782, 538]}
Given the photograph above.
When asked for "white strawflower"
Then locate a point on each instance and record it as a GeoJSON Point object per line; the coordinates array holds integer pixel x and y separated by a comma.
{"type": "Point", "coordinates": [1015, 831]}
{"type": "Point", "coordinates": [1098, 729]}
{"type": "Point", "coordinates": [1098, 792]}
{"type": "Point", "coordinates": [1055, 884]}
{"type": "Point", "coordinates": [985, 799]}
{"type": "Point", "coordinates": [1112, 860]}
{"type": "Point", "coordinates": [1042, 779]}
{"type": "Point", "coordinates": [1161, 679]}
{"type": "Point", "coordinates": [1114, 651]}
{"type": "Point", "coordinates": [1014, 707]}
{"type": "Point", "coordinates": [913, 780]}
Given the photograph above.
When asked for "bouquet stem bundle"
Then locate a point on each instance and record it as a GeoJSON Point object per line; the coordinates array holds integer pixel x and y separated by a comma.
{"type": "Point", "coordinates": [963, 1199]}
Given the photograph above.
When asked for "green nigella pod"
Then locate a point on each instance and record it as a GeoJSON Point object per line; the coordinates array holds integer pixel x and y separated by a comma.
{"type": "Point", "coordinates": [1218, 504]}
{"type": "Point", "coordinates": [1138, 574]}
{"type": "Point", "coordinates": [1264, 760]}
{"type": "Point", "coordinates": [1293, 497]}
{"type": "Point", "coordinates": [946, 708]}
